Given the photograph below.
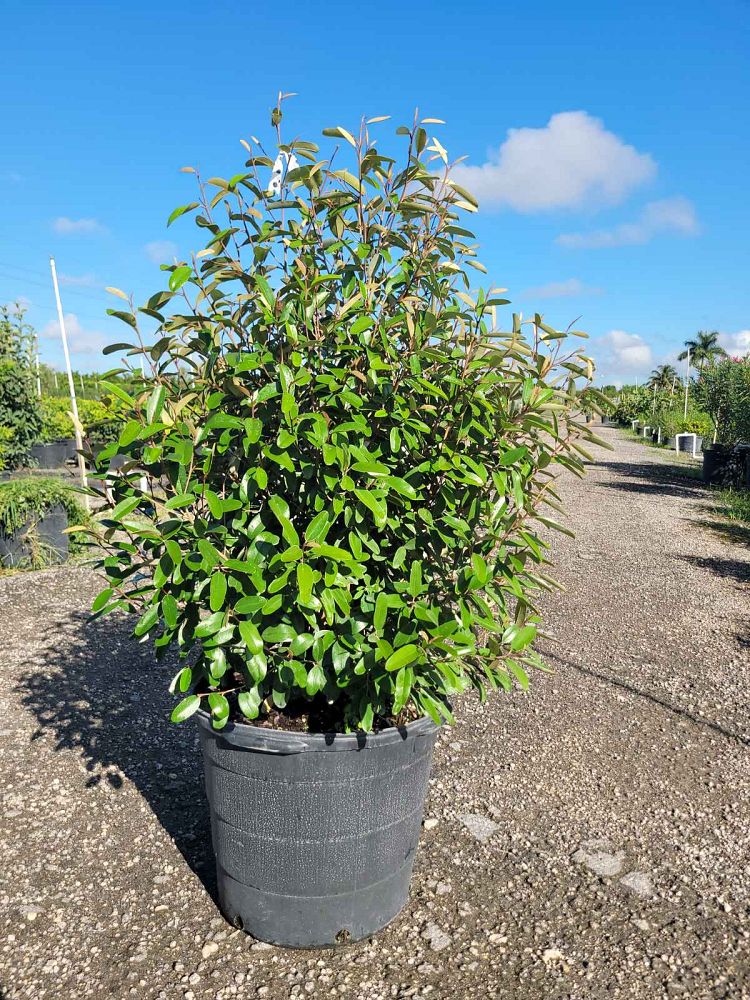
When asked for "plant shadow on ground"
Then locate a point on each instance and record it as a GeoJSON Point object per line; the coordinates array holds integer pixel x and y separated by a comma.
{"type": "Point", "coordinates": [627, 685]}
{"type": "Point", "coordinates": [654, 479]}
{"type": "Point", "coordinates": [103, 696]}
{"type": "Point", "coordinates": [728, 531]}
{"type": "Point", "coordinates": [730, 569]}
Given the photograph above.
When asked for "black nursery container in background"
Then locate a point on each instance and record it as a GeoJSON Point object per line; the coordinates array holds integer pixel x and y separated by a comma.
{"type": "Point", "coordinates": [54, 454]}
{"type": "Point", "coordinates": [35, 513]}
{"type": "Point", "coordinates": [333, 518]}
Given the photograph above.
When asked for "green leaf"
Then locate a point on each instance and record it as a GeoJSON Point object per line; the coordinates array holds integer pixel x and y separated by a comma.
{"type": "Point", "coordinates": [403, 656]}
{"type": "Point", "coordinates": [415, 579]}
{"type": "Point", "coordinates": [316, 680]}
{"type": "Point", "coordinates": [280, 509]}
{"type": "Point", "coordinates": [218, 591]}
{"type": "Point", "coordinates": [402, 688]}
{"type": "Point", "coordinates": [123, 508]}
{"type": "Point", "coordinates": [253, 430]}
{"type": "Point", "coordinates": [187, 707]}
{"type": "Point", "coordinates": [209, 625]}
{"type": "Point", "coordinates": [512, 456]}
{"type": "Point", "coordinates": [102, 599]}
{"type": "Point", "coordinates": [319, 527]}
{"type": "Point", "coordinates": [301, 642]}
{"type": "Point", "coordinates": [279, 633]}
{"type": "Point", "coordinates": [170, 610]}
{"type": "Point", "coordinates": [219, 705]}
{"type": "Point", "coordinates": [155, 403]}
{"type": "Point", "coordinates": [523, 637]}
{"type": "Point", "coordinates": [179, 277]}
{"type": "Point", "coordinates": [305, 580]}
{"type": "Point", "coordinates": [181, 211]}
{"type": "Point", "coordinates": [249, 703]}
{"type": "Point", "coordinates": [147, 621]}
{"type": "Point", "coordinates": [381, 612]}
{"type": "Point", "coordinates": [251, 637]}
{"type": "Point", "coordinates": [377, 507]}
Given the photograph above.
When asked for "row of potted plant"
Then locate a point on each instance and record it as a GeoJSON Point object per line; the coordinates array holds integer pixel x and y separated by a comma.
{"type": "Point", "coordinates": [56, 444]}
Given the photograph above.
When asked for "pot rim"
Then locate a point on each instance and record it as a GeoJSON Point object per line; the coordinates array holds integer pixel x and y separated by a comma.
{"type": "Point", "coordinates": [279, 741]}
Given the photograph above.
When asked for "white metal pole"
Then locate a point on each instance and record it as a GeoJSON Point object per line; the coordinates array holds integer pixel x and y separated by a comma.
{"type": "Point", "coordinates": [54, 376]}
{"type": "Point", "coordinates": [38, 379]}
{"type": "Point", "coordinates": [71, 384]}
{"type": "Point", "coordinates": [687, 381]}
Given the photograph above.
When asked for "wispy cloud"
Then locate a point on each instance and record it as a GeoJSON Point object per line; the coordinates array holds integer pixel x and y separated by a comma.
{"type": "Point", "coordinates": [561, 290]}
{"type": "Point", "coordinates": [81, 340]}
{"type": "Point", "coordinates": [161, 251]}
{"type": "Point", "coordinates": [572, 161]}
{"type": "Point", "coordinates": [670, 215]}
{"type": "Point", "coordinates": [79, 281]}
{"type": "Point", "coordinates": [64, 226]}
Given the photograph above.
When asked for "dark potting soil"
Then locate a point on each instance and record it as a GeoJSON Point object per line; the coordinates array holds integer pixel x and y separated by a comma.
{"type": "Point", "coordinates": [315, 716]}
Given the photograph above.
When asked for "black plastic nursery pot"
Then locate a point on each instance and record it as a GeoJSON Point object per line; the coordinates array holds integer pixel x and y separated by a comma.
{"type": "Point", "coordinates": [716, 461]}
{"type": "Point", "coordinates": [685, 443]}
{"type": "Point", "coordinates": [55, 454]}
{"type": "Point", "coordinates": [315, 835]}
{"type": "Point", "coordinates": [48, 531]}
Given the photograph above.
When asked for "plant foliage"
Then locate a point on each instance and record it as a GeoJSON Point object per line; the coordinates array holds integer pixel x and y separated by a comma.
{"type": "Point", "coordinates": [19, 409]}
{"type": "Point", "coordinates": [724, 391]}
{"type": "Point", "coordinates": [349, 467]}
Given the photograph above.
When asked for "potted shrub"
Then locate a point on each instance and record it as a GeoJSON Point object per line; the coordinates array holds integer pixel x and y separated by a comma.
{"type": "Point", "coordinates": [19, 410]}
{"type": "Point", "coordinates": [56, 443]}
{"type": "Point", "coordinates": [35, 514]}
{"type": "Point", "coordinates": [338, 475]}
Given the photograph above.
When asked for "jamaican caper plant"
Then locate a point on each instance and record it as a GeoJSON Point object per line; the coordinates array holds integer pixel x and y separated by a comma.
{"type": "Point", "coordinates": [347, 466]}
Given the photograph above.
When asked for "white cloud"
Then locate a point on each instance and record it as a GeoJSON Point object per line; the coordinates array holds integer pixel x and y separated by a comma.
{"type": "Point", "coordinates": [670, 215]}
{"type": "Point", "coordinates": [80, 340]}
{"type": "Point", "coordinates": [618, 353]}
{"type": "Point", "coordinates": [561, 289]}
{"type": "Point", "coordinates": [78, 280]}
{"type": "Point", "coordinates": [161, 251]}
{"type": "Point", "coordinates": [77, 227]}
{"type": "Point", "coordinates": [572, 161]}
{"type": "Point", "coordinates": [736, 344]}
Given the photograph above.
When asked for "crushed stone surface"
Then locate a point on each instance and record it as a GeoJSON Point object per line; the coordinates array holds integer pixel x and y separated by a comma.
{"type": "Point", "coordinates": [639, 739]}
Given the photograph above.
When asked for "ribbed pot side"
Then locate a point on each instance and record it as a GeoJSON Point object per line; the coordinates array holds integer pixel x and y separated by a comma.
{"type": "Point", "coordinates": [315, 835]}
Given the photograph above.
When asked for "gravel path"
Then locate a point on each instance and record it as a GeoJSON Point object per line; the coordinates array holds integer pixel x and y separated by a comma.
{"type": "Point", "coordinates": [589, 839]}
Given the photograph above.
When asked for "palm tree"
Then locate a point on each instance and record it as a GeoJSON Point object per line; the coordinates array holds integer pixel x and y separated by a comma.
{"type": "Point", "coordinates": [704, 349]}
{"type": "Point", "coordinates": [663, 377]}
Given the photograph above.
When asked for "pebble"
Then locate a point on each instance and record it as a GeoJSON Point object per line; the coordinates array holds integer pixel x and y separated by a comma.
{"type": "Point", "coordinates": [638, 882]}
{"type": "Point", "coordinates": [436, 937]}
{"type": "Point", "coordinates": [430, 824]}
{"type": "Point", "coordinates": [480, 827]}
{"type": "Point", "coordinates": [599, 858]}
{"type": "Point", "coordinates": [209, 948]}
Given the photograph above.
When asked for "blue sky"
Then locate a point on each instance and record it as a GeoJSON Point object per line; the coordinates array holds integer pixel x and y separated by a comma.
{"type": "Point", "coordinates": [608, 144]}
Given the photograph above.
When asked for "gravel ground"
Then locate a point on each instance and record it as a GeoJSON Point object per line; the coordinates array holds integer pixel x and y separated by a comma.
{"type": "Point", "coordinates": [587, 840]}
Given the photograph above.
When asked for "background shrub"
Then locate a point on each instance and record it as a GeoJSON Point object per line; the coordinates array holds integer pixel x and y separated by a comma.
{"type": "Point", "coordinates": [19, 409]}
{"type": "Point", "coordinates": [724, 391]}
